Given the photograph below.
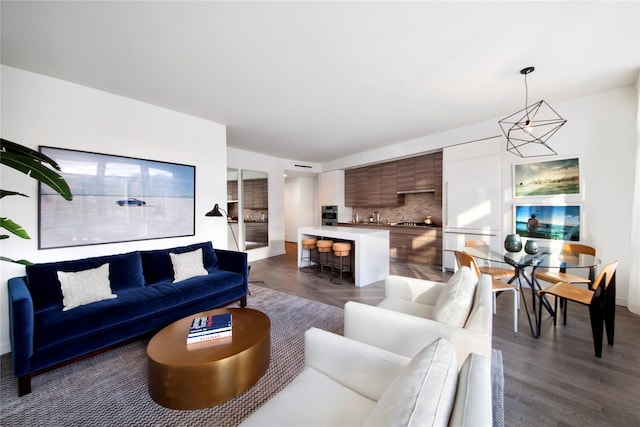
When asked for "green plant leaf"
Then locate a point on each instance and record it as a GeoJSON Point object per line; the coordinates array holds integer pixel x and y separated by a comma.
{"type": "Point", "coordinates": [20, 261]}
{"type": "Point", "coordinates": [14, 228]}
{"type": "Point", "coordinates": [11, 147]}
{"type": "Point", "coordinates": [36, 170]}
{"type": "Point", "coordinates": [10, 193]}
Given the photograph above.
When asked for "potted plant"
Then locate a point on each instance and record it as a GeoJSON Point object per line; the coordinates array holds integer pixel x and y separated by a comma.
{"type": "Point", "coordinates": [37, 166]}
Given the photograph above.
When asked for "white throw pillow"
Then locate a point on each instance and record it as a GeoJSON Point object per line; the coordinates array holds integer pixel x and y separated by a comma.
{"type": "Point", "coordinates": [423, 393]}
{"type": "Point", "coordinates": [84, 287]}
{"type": "Point", "coordinates": [455, 300]}
{"type": "Point", "coordinates": [187, 265]}
{"type": "Point", "coordinates": [473, 395]}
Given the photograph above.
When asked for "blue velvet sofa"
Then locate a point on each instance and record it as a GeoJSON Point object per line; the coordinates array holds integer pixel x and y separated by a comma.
{"type": "Point", "coordinates": [43, 335]}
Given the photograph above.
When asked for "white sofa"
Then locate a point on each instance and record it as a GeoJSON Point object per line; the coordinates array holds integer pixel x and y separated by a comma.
{"type": "Point", "coordinates": [349, 383]}
{"type": "Point", "coordinates": [404, 321]}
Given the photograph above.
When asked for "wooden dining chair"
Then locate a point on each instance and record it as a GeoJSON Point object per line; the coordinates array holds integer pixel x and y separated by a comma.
{"type": "Point", "coordinates": [498, 273]}
{"type": "Point", "coordinates": [561, 275]}
{"type": "Point", "coordinates": [497, 286]}
{"type": "Point", "coordinates": [601, 300]}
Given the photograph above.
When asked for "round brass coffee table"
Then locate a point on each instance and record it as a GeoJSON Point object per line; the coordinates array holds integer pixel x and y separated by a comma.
{"type": "Point", "coordinates": [201, 375]}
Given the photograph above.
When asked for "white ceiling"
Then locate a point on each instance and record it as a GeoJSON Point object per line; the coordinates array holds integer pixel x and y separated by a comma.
{"type": "Point", "coordinates": [317, 81]}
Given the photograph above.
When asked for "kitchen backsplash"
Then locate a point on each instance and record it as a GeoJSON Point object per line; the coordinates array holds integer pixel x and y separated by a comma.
{"type": "Point", "coordinates": [415, 209]}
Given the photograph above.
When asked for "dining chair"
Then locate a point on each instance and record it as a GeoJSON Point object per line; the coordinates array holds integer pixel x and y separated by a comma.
{"type": "Point", "coordinates": [601, 300]}
{"type": "Point", "coordinates": [561, 275]}
{"type": "Point", "coordinates": [497, 286]}
{"type": "Point", "coordinates": [495, 272]}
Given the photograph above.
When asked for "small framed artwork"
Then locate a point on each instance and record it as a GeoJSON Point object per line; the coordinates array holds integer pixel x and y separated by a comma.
{"type": "Point", "coordinates": [115, 199]}
{"type": "Point", "coordinates": [552, 222]}
{"type": "Point", "coordinates": [547, 178]}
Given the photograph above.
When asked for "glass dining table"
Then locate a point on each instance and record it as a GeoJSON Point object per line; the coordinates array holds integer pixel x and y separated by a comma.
{"type": "Point", "coordinates": [546, 257]}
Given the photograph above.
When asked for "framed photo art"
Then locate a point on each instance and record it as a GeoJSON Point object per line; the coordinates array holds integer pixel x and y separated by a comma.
{"type": "Point", "coordinates": [115, 199]}
{"type": "Point", "coordinates": [553, 222]}
{"type": "Point", "coordinates": [547, 178]}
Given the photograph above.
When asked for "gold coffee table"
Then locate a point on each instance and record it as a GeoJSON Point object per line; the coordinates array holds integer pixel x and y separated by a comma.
{"type": "Point", "coordinates": [201, 375]}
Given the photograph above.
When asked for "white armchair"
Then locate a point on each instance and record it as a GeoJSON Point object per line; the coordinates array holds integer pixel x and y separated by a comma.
{"type": "Point", "coordinates": [349, 383]}
{"type": "Point", "coordinates": [404, 322]}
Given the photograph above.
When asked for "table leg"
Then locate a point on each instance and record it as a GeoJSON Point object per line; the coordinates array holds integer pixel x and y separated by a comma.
{"type": "Point", "coordinates": [520, 272]}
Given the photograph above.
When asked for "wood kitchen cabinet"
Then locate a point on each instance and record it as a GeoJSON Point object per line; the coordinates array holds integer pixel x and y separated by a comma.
{"type": "Point", "coordinates": [423, 174]}
{"type": "Point", "coordinates": [362, 187]}
{"type": "Point", "coordinates": [374, 185]}
{"type": "Point", "coordinates": [437, 165]}
{"type": "Point", "coordinates": [232, 190]}
{"type": "Point", "coordinates": [256, 194]}
{"type": "Point", "coordinates": [350, 183]}
{"type": "Point", "coordinates": [414, 244]}
{"type": "Point", "coordinates": [379, 185]}
{"type": "Point", "coordinates": [406, 170]}
{"type": "Point", "coordinates": [390, 196]}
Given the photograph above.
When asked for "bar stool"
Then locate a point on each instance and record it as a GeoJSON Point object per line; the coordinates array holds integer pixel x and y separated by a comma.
{"type": "Point", "coordinates": [324, 248]}
{"type": "Point", "coordinates": [342, 250]}
{"type": "Point", "coordinates": [308, 245]}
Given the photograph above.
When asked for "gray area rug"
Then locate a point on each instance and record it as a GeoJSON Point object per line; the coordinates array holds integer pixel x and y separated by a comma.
{"type": "Point", "coordinates": [497, 388]}
{"type": "Point", "coordinates": [111, 388]}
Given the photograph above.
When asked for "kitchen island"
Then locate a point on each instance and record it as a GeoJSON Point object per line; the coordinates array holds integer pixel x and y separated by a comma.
{"type": "Point", "coordinates": [370, 249]}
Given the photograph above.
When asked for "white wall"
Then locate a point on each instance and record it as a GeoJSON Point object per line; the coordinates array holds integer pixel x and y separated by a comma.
{"type": "Point", "coordinates": [302, 210]}
{"type": "Point", "coordinates": [331, 192]}
{"type": "Point", "coordinates": [39, 110]}
{"type": "Point", "coordinates": [601, 130]}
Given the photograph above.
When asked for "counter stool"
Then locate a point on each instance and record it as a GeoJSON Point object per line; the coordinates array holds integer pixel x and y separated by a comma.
{"type": "Point", "coordinates": [324, 248]}
{"type": "Point", "coordinates": [308, 245]}
{"type": "Point", "coordinates": [342, 250]}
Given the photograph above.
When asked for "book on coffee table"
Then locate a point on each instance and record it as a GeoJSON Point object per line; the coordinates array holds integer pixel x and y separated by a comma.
{"type": "Point", "coordinates": [209, 327]}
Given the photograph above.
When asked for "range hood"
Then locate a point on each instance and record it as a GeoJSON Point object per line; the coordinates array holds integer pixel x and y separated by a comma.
{"type": "Point", "coordinates": [427, 190]}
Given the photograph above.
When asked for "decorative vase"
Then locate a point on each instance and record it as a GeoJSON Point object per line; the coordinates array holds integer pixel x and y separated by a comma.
{"type": "Point", "coordinates": [513, 243]}
{"type": "Point", "coordinates": [531, 247]}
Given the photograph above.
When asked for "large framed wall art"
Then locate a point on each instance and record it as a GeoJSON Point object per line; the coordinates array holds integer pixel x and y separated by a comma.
{"type": "Point", "coordinates": [547, 178]}
{"type": "Point", "coordinates": [115, 199]}
{"type": "Point", "coordinates": [553, 222]}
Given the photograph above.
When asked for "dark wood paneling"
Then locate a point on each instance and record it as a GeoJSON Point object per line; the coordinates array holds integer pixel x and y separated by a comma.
{"type": "Point", "coordinates": [406, 171]}
{"type": "Point", "coordinates": [350, 183]}
{"type": "Point", "coordinates": [437, 164]}
{"type": "Point", "coordinates": [423, 172]}
{"type": "Point", "coordinates": [374, 185]}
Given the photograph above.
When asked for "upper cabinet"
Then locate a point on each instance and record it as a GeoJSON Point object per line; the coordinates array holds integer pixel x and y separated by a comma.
{"type": "Point", "coordinates": [384, 185]}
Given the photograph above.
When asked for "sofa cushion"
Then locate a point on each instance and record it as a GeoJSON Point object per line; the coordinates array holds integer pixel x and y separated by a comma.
{"type": "Point", "coordinates": [312, 399]}
{"type": "Point", "coordinates": [455, 300]}
{"type": "Point", "coordinates": [157, 267]}
{"type": "Point", "coordinates": [187, 265]}
{"type": "Point", "coordinates": [408, 307]}
{"type": "Point", "coordinates": [423, 393]}
{"type": "Point", "coordinates": [125, 272]}
{"type": "Point", "coordinates": [53, 327]}
{"type": "Point", "coordinates": [84, 287]}
{"type": "Point", "coordinates": [473, 405]}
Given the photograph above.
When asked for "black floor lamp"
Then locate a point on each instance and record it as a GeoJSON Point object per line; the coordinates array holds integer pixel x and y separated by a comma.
{"type": "Point", "coordinates": [216, 212]}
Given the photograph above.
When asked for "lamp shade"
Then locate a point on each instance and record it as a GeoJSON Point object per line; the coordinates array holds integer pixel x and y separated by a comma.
{"type": "Point", "coordinates": [215, 211]}
{"type": "Point", "coordinates": [528, 130]}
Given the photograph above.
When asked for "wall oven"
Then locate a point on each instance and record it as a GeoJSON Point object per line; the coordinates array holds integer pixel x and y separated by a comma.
{"type": "Point", "coordinates": [329, 215]}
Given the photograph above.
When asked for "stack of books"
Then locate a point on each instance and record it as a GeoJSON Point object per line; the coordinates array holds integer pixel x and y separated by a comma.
{"type": "Point", "coordinates": [209, 328]}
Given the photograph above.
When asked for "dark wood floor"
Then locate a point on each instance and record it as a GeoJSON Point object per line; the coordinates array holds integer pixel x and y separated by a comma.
{"type": "Point", "coordinates": [554, 380]}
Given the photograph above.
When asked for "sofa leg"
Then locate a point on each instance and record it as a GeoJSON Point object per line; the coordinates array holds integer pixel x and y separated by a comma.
{"type": "Point", "coordinates": [243, 301]}
{"type": "Point", "coordinates": [24, 385]}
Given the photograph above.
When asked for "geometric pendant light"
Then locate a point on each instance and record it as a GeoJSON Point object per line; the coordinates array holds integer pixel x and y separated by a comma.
{"type": "Point", "coordinates": [528, 130]}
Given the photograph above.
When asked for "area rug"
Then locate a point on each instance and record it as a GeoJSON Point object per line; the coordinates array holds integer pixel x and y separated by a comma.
{"type": "Point", "coordinates": [111, 388]}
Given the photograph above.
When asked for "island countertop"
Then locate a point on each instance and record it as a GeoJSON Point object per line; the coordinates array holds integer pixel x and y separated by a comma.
{"type": "Point", "coordinates": [370, 249]}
